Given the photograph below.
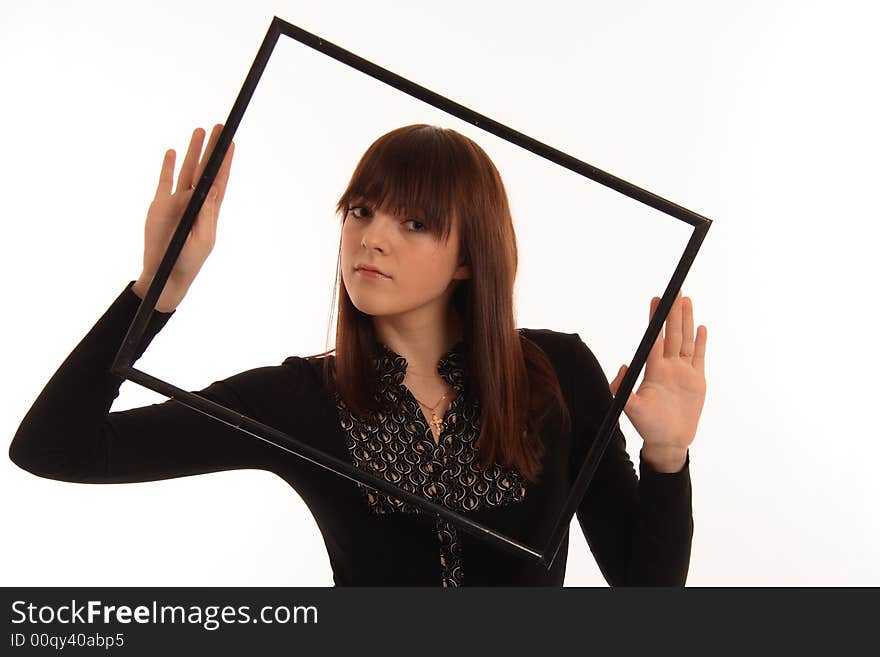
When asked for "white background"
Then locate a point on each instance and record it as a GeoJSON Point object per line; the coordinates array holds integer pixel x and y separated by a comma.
{"type": "Point", "coordinates": [759, 115]}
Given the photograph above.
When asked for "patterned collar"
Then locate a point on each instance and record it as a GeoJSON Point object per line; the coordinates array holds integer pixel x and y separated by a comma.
{"type": "Point", "coordinates": [451, 366]}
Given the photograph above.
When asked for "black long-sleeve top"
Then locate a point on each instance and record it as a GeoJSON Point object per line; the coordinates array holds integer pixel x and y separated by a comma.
{"type": "Point", "coordinates": [638, 529]}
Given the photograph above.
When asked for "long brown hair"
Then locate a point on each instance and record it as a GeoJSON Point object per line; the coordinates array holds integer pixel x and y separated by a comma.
{"type": "Point", "coordinates": [447, 177]}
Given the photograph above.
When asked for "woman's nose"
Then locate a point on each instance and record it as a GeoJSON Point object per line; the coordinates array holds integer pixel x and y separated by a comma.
{"type": "Point", "coordinates": [377, 232]}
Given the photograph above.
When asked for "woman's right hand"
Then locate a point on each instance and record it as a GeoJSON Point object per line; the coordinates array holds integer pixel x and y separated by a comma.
{"type": "Point", "coordinates": [164, 216]}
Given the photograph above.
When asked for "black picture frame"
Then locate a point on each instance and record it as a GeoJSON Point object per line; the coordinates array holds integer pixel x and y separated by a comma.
{"type": "Point", "coordinates": [124, 360]}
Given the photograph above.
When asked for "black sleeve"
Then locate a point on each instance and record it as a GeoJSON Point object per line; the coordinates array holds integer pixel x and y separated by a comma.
{"type": "Point", "coordinates": [69, 434]}
{"type": "Point", "coordinates": [638, 529]}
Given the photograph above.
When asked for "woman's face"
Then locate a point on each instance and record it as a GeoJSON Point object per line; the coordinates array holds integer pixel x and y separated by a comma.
{"type": "Point", "coordinates": [420, 268]}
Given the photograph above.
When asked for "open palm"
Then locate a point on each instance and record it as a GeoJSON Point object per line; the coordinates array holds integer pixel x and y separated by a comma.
{"type": "Point", "coordinates": [666, 408]}
{"type": "Point", "coordinates": [165, 211]}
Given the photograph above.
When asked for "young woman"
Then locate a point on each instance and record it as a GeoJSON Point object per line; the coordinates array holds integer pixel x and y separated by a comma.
{"type": "Point", "coordinates": [431, 385]}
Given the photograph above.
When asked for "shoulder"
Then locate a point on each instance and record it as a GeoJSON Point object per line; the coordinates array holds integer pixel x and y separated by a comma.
{"type": "Point", "coordinates": [556, 344]}
{"type": "Point", "coordinates": [567, 352]}
{"type": "Point", "coordinates": [304, 366]}
{"type": "Point", "coordinates": [308, 371]}
{"type": "Point", "coordinates": [266, 381]}
{"type": "Point", "coordinates": [293, 374]}
{"type": "Point", "coordinates": [579, 372]}
{"type": "Point", "coordinates": [271, 387]}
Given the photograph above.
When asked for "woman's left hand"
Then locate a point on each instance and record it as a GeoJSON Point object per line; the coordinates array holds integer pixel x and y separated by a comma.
{"type": "Point", "coordinates": [666, 408]}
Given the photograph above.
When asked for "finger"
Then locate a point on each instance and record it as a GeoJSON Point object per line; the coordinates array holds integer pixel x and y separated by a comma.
{"type": "Point", "coordinates": [633, 402]}
{"type": "Point", "coordinates": [687, 327]}
{"type": "Point", "coordinates": [223, 174]}
{"type": "Point", "coordinates": [187, 170]}
{"type": "Point", "coordinates": [656, 352]}
{"type": "Point", "coordinates": [214, 198]}
{"type": "Point", "coordinates": [204, 226]}
{"type": "Point", "coordinates": [209, 149]}
{"type": "Point", "coordinates": [614, 383]}
{"type": "Point", "coordinates": [166, 175]}
{"type": "Point", "coordinates": [672, 341]}
{"type": "Point", "coordinates": [699, 361]}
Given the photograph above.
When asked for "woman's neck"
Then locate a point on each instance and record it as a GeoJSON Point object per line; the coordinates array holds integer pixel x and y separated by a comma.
{"type": "Point", "coordinates": [422, 347]}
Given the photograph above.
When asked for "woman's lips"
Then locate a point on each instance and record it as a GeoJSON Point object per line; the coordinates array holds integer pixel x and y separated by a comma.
{"type": "Point", "coordinates": [370, 274]}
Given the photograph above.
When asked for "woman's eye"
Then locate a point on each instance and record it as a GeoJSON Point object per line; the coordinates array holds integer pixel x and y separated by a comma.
{"type": "Point", "coordinates": [419, 227]}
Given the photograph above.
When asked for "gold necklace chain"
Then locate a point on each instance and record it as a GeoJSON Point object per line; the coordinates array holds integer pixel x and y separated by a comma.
{"type": "Point", "coordinates": [436, 422]}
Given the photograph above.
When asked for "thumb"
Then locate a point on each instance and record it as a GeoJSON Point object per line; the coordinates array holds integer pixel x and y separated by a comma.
{"type": "Point", "coordinates": [615, 384]}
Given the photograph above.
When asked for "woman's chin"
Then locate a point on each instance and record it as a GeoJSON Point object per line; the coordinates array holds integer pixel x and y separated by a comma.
{"type": "Point", "coordinates": [367, 307]}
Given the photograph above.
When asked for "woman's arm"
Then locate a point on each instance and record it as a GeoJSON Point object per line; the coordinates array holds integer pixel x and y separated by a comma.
{"type": "Point", "coordinates": [69, 434]}
{"type": "Point", "coordinates": [638, 528]}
